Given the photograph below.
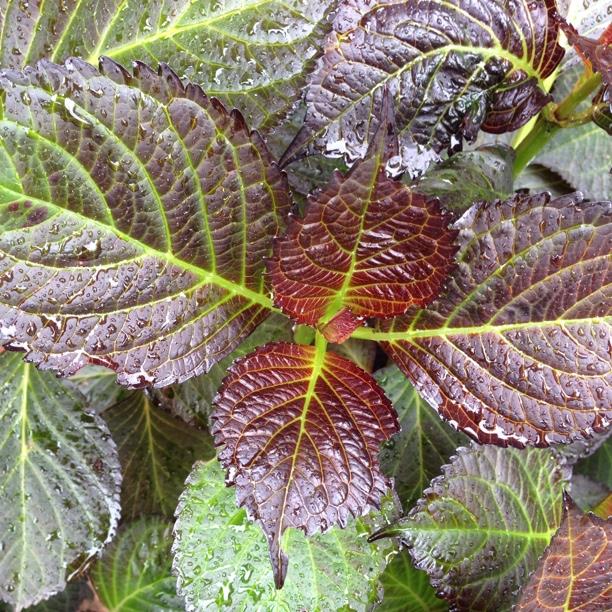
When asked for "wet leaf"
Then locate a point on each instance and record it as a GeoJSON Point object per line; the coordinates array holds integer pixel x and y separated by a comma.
{"type": "Point", "coordinates": [482, 526]}
{"type": "Point", "coordinates": [76, 597]}
{"type": "Point", "coordinates": [516, 351]}
{"type": "Point", "coordinates": [406, 589]}
{"type": "Point", "coordinates": [453, 67]}
{"type": "Point", "coordinates": [300, 430]}
{"type": "Point", "coordinates": [253, 54]}
{"type": "Point", "coordinates": [367, 246]}
{"type": "Point", "coordinates": [423, 445]}
{"type": "Point", "coordinates": [59, 482]}
{"type": "Point", "coordinates": [137, 242]}
{"type": "Point", "coordinates": [222, 562]}
{"type": "Point", "coordinates": [134, 574]}
{"type": "Point", "coordinates": [156, 451]}
{"type": "Point", "coordinates": [192, 400]}
{"type": "Point", "coordinates": [472, 176]}
{"type": "Point", "coordinates": [574, 572]}
{"type": "Point", "coordinates": [580, 155]}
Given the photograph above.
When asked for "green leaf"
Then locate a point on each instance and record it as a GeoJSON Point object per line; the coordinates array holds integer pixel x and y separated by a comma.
{"type": "Point", "coordinates": [99, 386]}
{"type": "Point", "coordinates": [598, 465]}
{"type": "Point", "coordinates": [538, 178]}
{"type": "Point", "coordinates": [406, 589]}
{"type": "Point", "coordinates": [574, 574]}
{"type": "Point", "coordinates": [156, 451]}
{"type": "Point", "coordinates": [423, 445]}
{"type": "Point", "coordinates": [135, 215]}
{"type": "Point", "coordinates": [473, 176]}
{"type": "Point", "coordinates": [453, 67]}
{"type": "Point", "coordinates": [76, 596]}
{"type": "Point", "coordinates": [253, 54]}
{"type": "Point", "coordinates": [580, 155]}
{"type": "Point", "coordinates": [482, 526]}
{"type": "Point", "coordinates": [516, 349]}
{"type": "Point", "coordinates": [361, 352]}
{"type": "Point", "coordinates": [134, 574]}
{"type": "Point", "coordinates": [192, 400]}
{"type": "Point", "coordinates": [221, 558]}
{"type": "Point", "coordinates": [300, 430]}
{"type": "Point", "coordinates": [59, 482]}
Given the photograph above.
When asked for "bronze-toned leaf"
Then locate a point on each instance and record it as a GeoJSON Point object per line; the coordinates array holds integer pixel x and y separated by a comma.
{"type": "Point", "coordinates": [300, 430]}
{"type": "Point", "coordinates": [367, 246]}
{"type": "Point", "coordinates": [574, 573]}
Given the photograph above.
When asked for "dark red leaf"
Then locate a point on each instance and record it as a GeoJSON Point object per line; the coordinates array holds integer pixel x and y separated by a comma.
{"type": "Point", "coordinates": [300, 430]}
{"type": "Point", "coordinates": [368, 246]}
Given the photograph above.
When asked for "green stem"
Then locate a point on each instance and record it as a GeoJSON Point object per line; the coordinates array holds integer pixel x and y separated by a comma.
{"type": "Point", "coordinates": [545, 128]}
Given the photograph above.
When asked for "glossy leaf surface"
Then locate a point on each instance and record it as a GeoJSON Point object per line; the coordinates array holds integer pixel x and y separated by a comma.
{"type": "Point", "coordinates": [367, 246]}
{"type": "Point", "coordinates": [482, 526]}
{"type": "Point", "coordinates": [222, 563]}
{"type": "Point", "coordinates": [516, 351]}
{"type": "Point", "coordinates": [424, 443]}
{"type": "Point", "coordinates": [574, 572]}
{"type": "Point", "coordinates": [251, 53]}
{"type": "Point", "coordinates": [59, 482]}
{"type": "Point", "coordinates": [452, 67]}
{"type": "Point", "coordinates": [406, 589]}
{"type": "Point", "coordinates": [300, 431]}
{"type": "Point", "coordinates": [135, 214]}
{"type": "Point", "coordinates": [156, 451]}
{"type": "Point", "coordinates": [134, 574]}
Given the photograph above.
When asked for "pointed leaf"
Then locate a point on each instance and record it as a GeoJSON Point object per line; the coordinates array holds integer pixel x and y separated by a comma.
{"type": "Point", "coordinates": [300, 430]}
{"type": "Point", "coordinates": [156, 451]}
{"type": "Point", "coordinates": [59, 482]}
{"type": "Point", "coordinates": [423, 445]}
{"type": "Point", "coordinates": [472, 176]}
{"type": "Point", "coordinates": [475, 64]}
{"type": "Point", "coordinates": [254, 54]}
{"type": "Point", "coordinates": [134, 573]}
{"type": "Point", "coordinates": [406, 589]}
{"type": "Point", "coordinates": [574, 572]}
{"type": "Point", "coordinates": [135, 215]}
{"type": "Point", "coordinates": [221, 561]}
{"type": "Point", "coordinates": [516, 351]}
{"type": "Point", "coordinates": [367, 246]}
{"type": "Point", "coordinates": [482, 526]}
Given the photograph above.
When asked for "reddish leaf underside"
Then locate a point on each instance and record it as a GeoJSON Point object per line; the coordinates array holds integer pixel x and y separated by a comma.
{"type": "Point", "coordinates": [517, 349]}
{"type": "Point", "coordinates": [367, 247]}
{"type": "Point", "coordinates": [574, 573]}
{"type": "Point", "coordinates": [300, 430]}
